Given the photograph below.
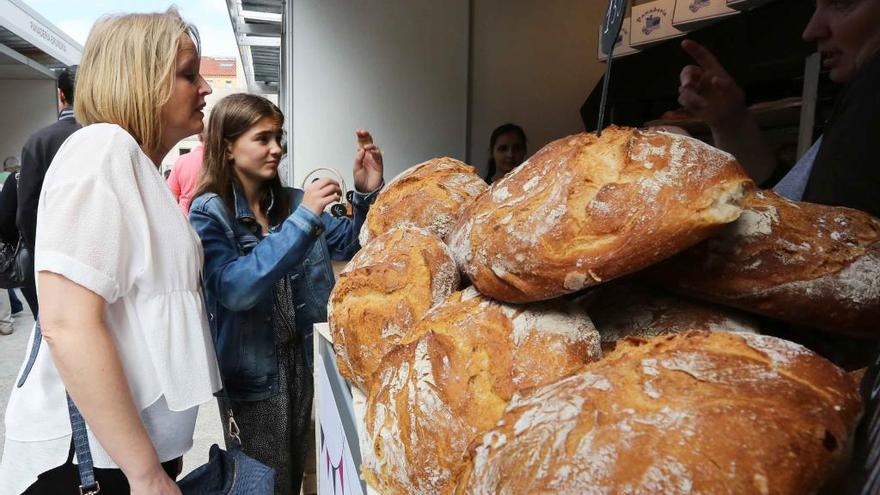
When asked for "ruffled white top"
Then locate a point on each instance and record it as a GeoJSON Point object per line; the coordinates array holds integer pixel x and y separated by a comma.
{"type": "Point", "coordinates": [108, 222]}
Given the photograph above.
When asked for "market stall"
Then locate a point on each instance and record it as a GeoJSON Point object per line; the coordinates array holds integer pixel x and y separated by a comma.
{"type": "Point", "coordinates": [609, 316]}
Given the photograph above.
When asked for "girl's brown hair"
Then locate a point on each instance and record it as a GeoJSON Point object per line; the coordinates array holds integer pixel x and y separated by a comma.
{"type": "Point", "coordinates": [230, 118]}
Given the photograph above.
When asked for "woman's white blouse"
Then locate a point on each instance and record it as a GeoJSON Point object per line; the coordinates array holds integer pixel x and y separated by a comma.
{"type": "Point", "coordinates": [107, 222]}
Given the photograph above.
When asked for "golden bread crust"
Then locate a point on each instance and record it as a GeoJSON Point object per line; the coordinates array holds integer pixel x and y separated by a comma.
{"type": "Point", "coordinates": [587, 209]}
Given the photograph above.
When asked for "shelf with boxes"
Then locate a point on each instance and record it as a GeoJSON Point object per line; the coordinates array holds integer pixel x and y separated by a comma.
{"type": "Point", "coordinates": [654, 21]}
{"type": "Point", "coordinates": [758, 42]}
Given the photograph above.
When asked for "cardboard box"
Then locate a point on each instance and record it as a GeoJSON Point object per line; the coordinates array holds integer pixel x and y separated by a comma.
{"type": "Point", "coordinates": [746, 4]}
{"type": "Point", "coordinates": [622, 47]}
{"type": "Point", "coordinates": [652, 23]}
{"type": "Point", "coordinates": [694, 14]}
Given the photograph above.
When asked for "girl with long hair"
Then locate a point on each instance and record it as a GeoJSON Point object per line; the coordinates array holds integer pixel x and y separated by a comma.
{"type": "Point", "coordinates": [267, 274]}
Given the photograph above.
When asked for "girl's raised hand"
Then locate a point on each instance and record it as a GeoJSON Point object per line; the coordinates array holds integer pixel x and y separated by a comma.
{"type": "Point", "coordinates": [368, 166]}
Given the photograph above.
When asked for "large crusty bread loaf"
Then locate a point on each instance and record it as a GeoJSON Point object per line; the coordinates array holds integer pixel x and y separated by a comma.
{"type": "Point", "coordinates": [380, 295]}
{"type": "Point", "coordinates": [584, 210]}
{"type": "Point", "coordinates": [431, 397]}
{"type": "Point", "coordinates": [632, 309]}
{"type": "Point", "coordinates": [431, 195]}
{"type": "Point", "coordinates": [700, 412]}
{"type": "Point", "coordinates": [812, 265]}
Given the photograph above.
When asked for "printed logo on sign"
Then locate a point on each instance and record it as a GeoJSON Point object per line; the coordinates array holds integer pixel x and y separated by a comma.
{"type": "Point", "coordinates": [698, 4]}
{"type": "Point", "coordinates": [652, 23]}
{"type": "Point", "coordinates": [651, 18]}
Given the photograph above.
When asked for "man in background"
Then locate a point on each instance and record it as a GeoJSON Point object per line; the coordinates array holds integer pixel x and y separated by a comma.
{"type": "Point", "coordinates": [36, 156]}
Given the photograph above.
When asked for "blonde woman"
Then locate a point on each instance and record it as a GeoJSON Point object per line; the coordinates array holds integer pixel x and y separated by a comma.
{"type": "Point", "coordinates": [123, 323]}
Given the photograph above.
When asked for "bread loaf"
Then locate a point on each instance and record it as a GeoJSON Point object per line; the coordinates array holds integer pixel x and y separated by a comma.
{"type": "Point", "coordinates": [812, 265]}
{"type": "Point", "coordinates": [380, 295]}
{"type": "Point", "coordinates": [430, 195]}
{"type": "Point", "coordinates": [432, 396]}
{"type": "Point", "coordinates": [584, 210]}
{"type": "Point", "coordinates": [632, 309]}
{"type": "Point", "coordinates": [700, 412]}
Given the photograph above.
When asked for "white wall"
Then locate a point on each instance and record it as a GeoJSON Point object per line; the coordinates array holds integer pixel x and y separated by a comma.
{"type": "Point", "coordinates": [396, 67]}
{"type": "Point", "coordinates": [25, 106]}
{"type": "Point", "coordinates": [534, 64]}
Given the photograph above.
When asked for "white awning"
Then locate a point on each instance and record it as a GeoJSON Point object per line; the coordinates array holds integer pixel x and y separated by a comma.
{"type": "Point", "coordinates": [30, 45]}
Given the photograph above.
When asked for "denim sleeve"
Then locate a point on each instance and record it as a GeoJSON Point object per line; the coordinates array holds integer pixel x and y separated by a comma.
{"type": "Point", "coordinates": [240, 281]}
{"type": "Point", "coordinates": [342, 233]}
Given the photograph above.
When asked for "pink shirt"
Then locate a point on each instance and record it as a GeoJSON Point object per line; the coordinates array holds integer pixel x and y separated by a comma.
{"type": "Point", "coordinates": [185, 176]}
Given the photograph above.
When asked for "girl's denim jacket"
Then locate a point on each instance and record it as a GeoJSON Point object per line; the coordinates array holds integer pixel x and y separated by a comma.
{"type": "Point", "coordinates": [240, 273]}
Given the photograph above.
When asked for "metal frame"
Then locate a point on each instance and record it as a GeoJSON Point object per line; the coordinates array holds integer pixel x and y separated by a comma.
{"type": "Point", "coordinates": [42, 69]}
{"type": "Point", "coordinates": [257, 34]}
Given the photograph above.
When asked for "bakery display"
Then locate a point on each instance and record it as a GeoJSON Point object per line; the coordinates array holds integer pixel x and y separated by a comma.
{"type": "Point", "coordinates": [587, 209]}
{"type": "Point", "coordinates": [812, 265]}
{"type": "Point", "coordinates": [611, 340]}
{"type": "Point", "coordinates": [632, 309]}
{"type": "Point", "coordinates": [700, 412]}
{"type": "Point", "coordinates": [453, 379]}
{"type": "Point", "coordinates": [430, 195]}
{"type": "Point", "coordinates": [382, 293]}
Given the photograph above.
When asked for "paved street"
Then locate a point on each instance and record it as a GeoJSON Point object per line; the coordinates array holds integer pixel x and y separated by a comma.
{"type": "Point", "coordinates": [12, 352]}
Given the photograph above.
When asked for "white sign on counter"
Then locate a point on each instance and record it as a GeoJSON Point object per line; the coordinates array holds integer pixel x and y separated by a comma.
{"type": "Point", "coordinates": [652, 22]}
{"type": "Point", "coordinates": [336, 431]}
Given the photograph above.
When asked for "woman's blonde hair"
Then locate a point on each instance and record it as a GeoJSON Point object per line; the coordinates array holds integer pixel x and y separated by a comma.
{"type": "Point", "coordinates": [127, 72]}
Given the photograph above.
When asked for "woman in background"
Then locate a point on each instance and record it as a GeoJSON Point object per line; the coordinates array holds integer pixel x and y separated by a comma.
{"type": "Point", "coordinates": [122, 325]}
{"type": "Point", "coordinates": [268, 275]}
{"type": "Point", "coordinates": [507, 150]}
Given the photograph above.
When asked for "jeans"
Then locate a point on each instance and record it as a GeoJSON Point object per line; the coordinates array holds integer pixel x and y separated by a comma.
{"type": "Point", "coordinates": [5, 314]}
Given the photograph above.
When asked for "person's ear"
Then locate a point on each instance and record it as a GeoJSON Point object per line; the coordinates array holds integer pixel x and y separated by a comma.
{"type": "Point", "coordinates": [61, 100]}
{"type": "Point", "coordinates": [228, 152]}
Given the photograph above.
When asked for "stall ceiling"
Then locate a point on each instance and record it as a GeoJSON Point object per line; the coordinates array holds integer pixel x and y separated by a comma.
{"type": "Point", "coordinates": [257, 27]}
{"type": "Point", "coordinates": [20, 45]}
{"type": "Point", "coordinates": [270, 6]}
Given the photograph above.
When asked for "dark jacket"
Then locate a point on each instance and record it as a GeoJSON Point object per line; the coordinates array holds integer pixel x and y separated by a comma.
{"type": "Point", "coordinates": [36, 156]}
{"type": "Point", "coordinates": [241, 268]}
{"type": "Point", "coordinates": [8, 207]}
{"type": "Point", "coordinates": [847, 167]}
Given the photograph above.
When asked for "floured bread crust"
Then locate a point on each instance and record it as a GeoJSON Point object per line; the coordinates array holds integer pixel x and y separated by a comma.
{"type": "Point", "coordinates": [812, 265]}
{"type": "Point", "coordinates": [454, 377]}
{"type": "Point", "coordinates": [631, 309]}
{"type": "Point", "coordinates": [587, 209]}
{"type": "Point", "coordinates": [700, 412]}
{"type": "Point", "coordinates": [431, 195]}
{"type": "Point", "coordinates": [381, 294]}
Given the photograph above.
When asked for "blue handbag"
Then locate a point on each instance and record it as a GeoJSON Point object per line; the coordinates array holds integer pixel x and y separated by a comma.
{"type": "Point", "coordinates": [229, 472]}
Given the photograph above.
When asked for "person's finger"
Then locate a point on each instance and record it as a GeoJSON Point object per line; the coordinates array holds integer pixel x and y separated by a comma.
{"type": "Point", "coordinates": [692, 76]}
{"type": "Point", "coordinates": [330, 184]}
{"type": "Point", "coordinates": [691, 100]}
{"type": "Point", "coordinates": [702, 56]}
{"type": "Point", "coordinates": [722, 83]}
{"type": "Point", "coordinates": [359, 156]}
{"type": "Point", "coordinates": [318, 184]}
{"type": "Point", "coordinates": [364, 138]}
{"type": "Point", "coordinates": [329, 190]}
